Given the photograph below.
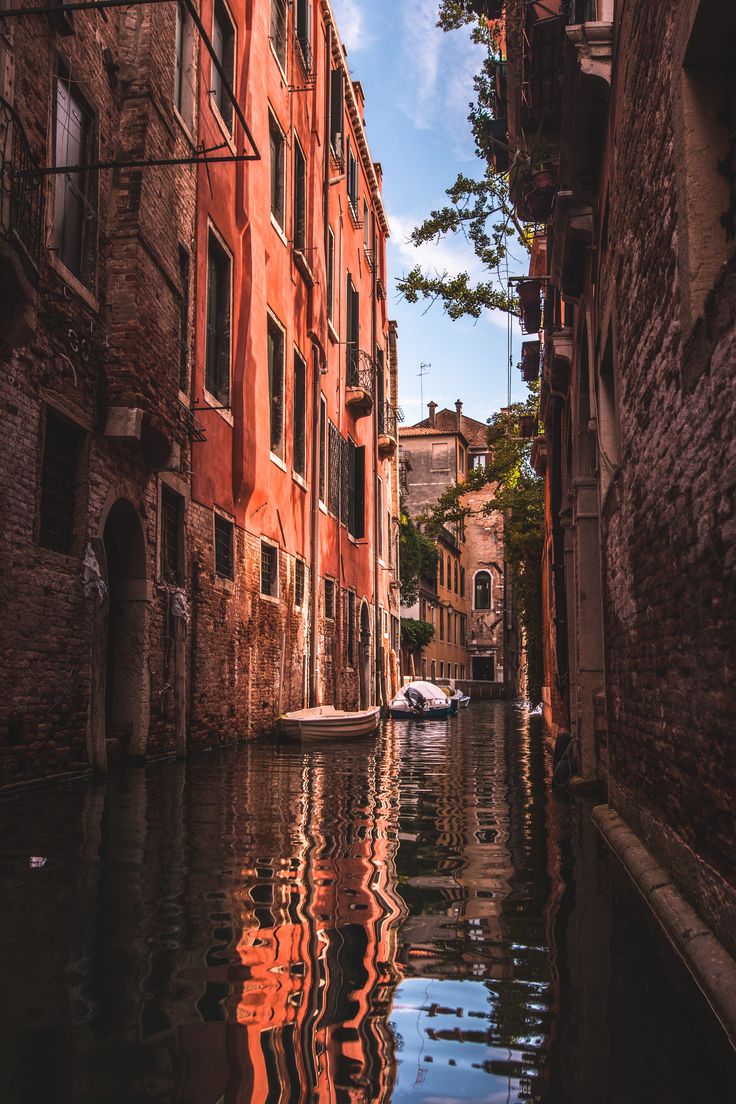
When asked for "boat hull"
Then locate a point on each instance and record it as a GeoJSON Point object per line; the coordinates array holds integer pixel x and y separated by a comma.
{"type": "Point", "coordinates": [327, 723]}
{"type": "Point", "coordinates": [436, 713]}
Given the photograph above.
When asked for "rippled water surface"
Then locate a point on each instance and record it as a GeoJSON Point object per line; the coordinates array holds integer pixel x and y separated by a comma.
{"type": "Point", "coordinates": [411, 918]}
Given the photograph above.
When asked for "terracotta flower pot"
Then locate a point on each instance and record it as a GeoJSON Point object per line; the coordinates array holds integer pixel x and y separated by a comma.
{"type": "Point", "coordinates": [540, 195]}
{"type": "Point", "coordinates": [530, 361]}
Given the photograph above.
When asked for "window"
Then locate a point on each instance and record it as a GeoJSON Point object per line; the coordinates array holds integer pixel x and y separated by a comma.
{"type": "Point", "coordinates": [440, 456]}
{"type": "Point", "coordinates": [59, 483]}
{"type": "Point", "coordinates": [224, 559]}
{"type": "Point", "coordinates": [336, 112]}
{"type": "Point", "coordinates": [442, 622]}
{"type": "Point", "coordinates": [330, 599]}
{"type": "Point", "coordinates": [184, 320]}
{"type": "Point", "coordinates": [441, 564]}
{"type": "Point", "coordinates": [367, 232]}
{"type": "Point", "coordinates": [379, 512]}
{"type": "Point", "coordinates": [352, 182]}
{"type": "Point", "coordinates": [449, 573]}
{"type": "Point", "coordinates": [276, 386]}
{"type": "Point", "coordinates": [462, 460]}
{"type": "Point", "coordinates": [184, 64]}
{"type": "Point", "coordinates": [480, 460]}
{"type": "Point", "coordinates": [462, 670]}
{"type": "Point", "coordinates": [434, 669]}
{"type": "Point", "coordinates": [353, 333]}
{"type": "Point", "coordinates": [303, 29]}
{"type": "Point", "coordinates": [482, 598]}
{"type": "Point", "coordinates": [172, 536]}
{"type": "Point", "coordinates": [299, 460]}
{"type": "Point", "coordinates": [278, 169]}
{"type": "Point", "coordinates": [457, 578]}
{"type": "Point", "coordinates": [277, 32]}
{"type": "Point", "coordinates": [322, 448]}
{"type": "Point", "coordinates": [300, 199]}
{"type": "Point", "coordinates": [330, 275]}
{"type": "Point", "coordinates": [442, 668]}
{"type": "Point", "coordinates": [223, 45]}
{"type": "Point", "coordinates": [74, 191]}
{"type": "Point", "coordinates": [219, 272]}
{"type": "Point", "coordinates": [335, 450]}
{"type": "Point", "coordinates": [462, 631]}
{"type": "Point", "coordinates": [299, 575]}
{"type": "Point", "coordinates": [462, 582]}
{"type": "Point", "coordinates": [356, 484]}
{"type": "Point", "coordinates": [350, 628]}
{"type": "Point", "coordinates": [269, 570]}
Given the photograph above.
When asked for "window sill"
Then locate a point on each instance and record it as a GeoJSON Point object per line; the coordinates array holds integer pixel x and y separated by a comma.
{"type": "Point", "coordinates": [302, 264]}
{"type": "Point", "coordinates": [227, 132]}
{"type": "Point", "coordinates": [277, 461]}
{"type": "Point", "coordinates": [300, 480]}
{"type": "Point", "coordinates": [216, 404]}
{"type": "Point", "coordinates": [272, 598]}
{"type": "Point", "coordinates": [332, 333]}
{"type": "Point", "coordinates": [184, 125]}
{"type": "Point", "coordinates": [277, 59]}
{"type": "Point", "coordinates": [223, 583]}
{"type": "Point", "coordinates": [323, 509]}
{"type": "Point", "coordinates": [73, 281]}
{"type": "Point", "coordinates": [279, 231]}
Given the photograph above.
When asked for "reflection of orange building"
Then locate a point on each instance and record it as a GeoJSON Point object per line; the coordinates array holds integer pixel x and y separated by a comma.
{"type": "Point", "coordinates": [318, 945]}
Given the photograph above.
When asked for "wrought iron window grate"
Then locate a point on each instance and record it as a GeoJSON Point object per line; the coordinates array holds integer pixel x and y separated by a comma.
{"type": "Point", "coordinates": [20, 191]}
{"type": "Point", "coordinates": [299, 582]}
{"type": "Point", "coordinates": [269, 570]}
{"type": "Point", "coordinates": [224, 558]}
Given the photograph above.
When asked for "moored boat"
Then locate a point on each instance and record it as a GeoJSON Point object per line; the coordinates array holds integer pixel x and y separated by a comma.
{"type": "Point", "coordinates": [324, 722]}
{"type": "Point", "coordinates": [421, 700]}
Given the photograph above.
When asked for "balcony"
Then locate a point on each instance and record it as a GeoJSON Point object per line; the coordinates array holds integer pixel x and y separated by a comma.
{"type": "Point", "coordinates": [388, 430]}
{"type": "Point", "coordinates": [20, 230]}
{"type": "Point", "coordinates": [354, 213]}
{"type": "Point", "coordinates": [361, 374]}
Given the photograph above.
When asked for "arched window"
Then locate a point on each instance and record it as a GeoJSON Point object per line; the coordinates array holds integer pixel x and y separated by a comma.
{"type": "Point", "coordinates": [482, 590]}
{"type": "Point", "coordinates": [462, 582]}
{"type": "Point", "coordinates": [449, 573]}
{"type": "Point", "coordinates": [456, 577]}
{"type": "Point", "coordinates": [442, 570]}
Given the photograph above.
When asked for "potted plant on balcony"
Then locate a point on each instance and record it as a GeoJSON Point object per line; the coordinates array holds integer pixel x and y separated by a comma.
{"type": "Point", "coordinates": [533, 178]}
{"type": "Point", "coordinates": [530, 361]}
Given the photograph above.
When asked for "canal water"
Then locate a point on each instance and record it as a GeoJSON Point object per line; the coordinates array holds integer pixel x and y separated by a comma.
{"type": "Point", "coordinates": [417, 917]}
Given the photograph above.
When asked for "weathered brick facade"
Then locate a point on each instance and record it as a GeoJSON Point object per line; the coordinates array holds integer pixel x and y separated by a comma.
{"type": "Point", "coordinates": [638, 400]}
{"type": "Point", "coordinates": [121, 636]}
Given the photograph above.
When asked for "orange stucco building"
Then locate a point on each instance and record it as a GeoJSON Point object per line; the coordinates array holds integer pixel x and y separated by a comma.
{"type": "Point", "coordinates": [293, 381]}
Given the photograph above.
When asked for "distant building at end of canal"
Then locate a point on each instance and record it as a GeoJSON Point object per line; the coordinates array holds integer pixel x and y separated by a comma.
{"type": "Point", "coordinates": [632, 289]}
{"type": "Point", "coordinates": [200, 470]}
{"type": "Point", "coordinates": [470, 601]}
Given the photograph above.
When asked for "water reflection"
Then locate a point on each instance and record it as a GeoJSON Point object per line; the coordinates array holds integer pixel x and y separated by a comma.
{"type": "Point", "coordinates": [412, 918]}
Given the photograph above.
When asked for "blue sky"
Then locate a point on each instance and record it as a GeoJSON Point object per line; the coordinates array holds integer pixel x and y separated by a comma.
{"type": "Point", "coordinates": [418, 82]}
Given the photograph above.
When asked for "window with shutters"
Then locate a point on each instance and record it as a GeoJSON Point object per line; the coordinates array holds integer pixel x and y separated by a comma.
{"type": "Point", "coordinates": [379, 509]}
{"type": "Point", "coordinates": [172, 536]}
{"type": "Point", "coordinates": [277, 32]}
{"type": "Point", "coordinates": [300, 198]}
{"type": "Point", "coordinates": [303, 32]}
{"type": "Point", "coordinates": [350, 628]}
{"type": "Point", "coordinates": [299, 582]}
{"type": "Point", "coordinates": [353, 183]}
{"type": "Point", "coordinates": [330, 599]}
{"type": "Point", "coordinates": [330, 275]}
{"type": "Point", "coordinates": [219, 279]}
{"type": "Point", "coordinates": [356, 485]}
{"type": "Point", "coordinates": [223, 46]}
{"type": "Point", "coordinates": [184, 269]}
{"type": "Point", "coordinates": [277, 144]}
{"type": "Point", "coordinates": [337, 112]}
{"type": "Point", "coordinates": [299, 448]}
{"type": "Point", "coordinates": [322, 449]}
{"type": "Point", "coordinates": [184, 64]}
{"type": "Point", "coordinates": [353, 333]}
{"type": "Point", "coordinates": [276, 386]}
{"type": "Point", "coordinates": [440, 456]}
{"type": "Point", "coordinates": [224, 547]}
{"type": "Point", "coordinates": [75, 191]}
{"type": "Point", "coordinates": [269, 570]}
{"type": "Point", "coordinates": [61, 451]}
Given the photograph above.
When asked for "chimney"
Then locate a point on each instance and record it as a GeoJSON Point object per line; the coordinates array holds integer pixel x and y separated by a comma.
{"type": "Point", "coordinates": [459, 409]}
{"type": "Point", "coordinates": [432, 409]}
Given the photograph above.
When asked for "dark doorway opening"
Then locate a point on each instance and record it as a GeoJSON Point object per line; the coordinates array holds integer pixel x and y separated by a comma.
{"type": "Point", "coordinates": [484, 668]}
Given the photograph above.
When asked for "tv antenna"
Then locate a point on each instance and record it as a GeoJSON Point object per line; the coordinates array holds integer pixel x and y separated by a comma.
{"type": "Point", "coordinates": [423, 371]}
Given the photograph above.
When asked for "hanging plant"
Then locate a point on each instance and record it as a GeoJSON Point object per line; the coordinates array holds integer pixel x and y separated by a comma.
{"type": "Point", "coordinates": [529, 292]}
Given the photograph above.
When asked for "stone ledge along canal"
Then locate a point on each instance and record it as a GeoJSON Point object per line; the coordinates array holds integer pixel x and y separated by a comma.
{"type": "Point", "coordinates": [414, 917]}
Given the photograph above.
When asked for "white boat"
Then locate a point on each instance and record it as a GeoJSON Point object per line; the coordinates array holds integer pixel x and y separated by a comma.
{"type": "Point", "coordinates": [421, 700]}
{"type": "Point", "coordinates": [460, 700]}
{"type": "Point", "coordinates": [324, 722]}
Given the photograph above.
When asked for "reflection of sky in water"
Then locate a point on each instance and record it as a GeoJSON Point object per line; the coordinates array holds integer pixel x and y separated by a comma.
{"type": "Point", "coordinates": [424, 1070]}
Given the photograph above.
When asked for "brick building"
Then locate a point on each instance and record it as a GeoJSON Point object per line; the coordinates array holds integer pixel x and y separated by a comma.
{"type": "Point", "coordinates": [636, 271]}
{"type": "Point", "coordinates": [467, 602]}
{"type": "Point", "coordinates": [199, 381]}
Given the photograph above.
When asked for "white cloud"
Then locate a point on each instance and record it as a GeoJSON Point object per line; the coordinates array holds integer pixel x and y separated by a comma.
{"type": "Point", "coordinates": [451, 255]}
{"type": "Point", "coordinates": [438, 71]}
{"type": "Point", "coordinates": [351, 24]}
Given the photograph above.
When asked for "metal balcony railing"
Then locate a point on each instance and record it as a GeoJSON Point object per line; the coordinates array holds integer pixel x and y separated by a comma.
{"type": "Point", "coordinates": [305, 60]}
{"type": "Point", "coordinates": [388, 420]}
{"type": "Point", "coordinates": [361, 369]}
{"type": "Point", "coordinates": [20, 191]}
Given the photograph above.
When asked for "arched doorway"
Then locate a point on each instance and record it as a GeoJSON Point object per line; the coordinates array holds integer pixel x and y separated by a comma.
{"type": "Point", "coordinates": [125, 653]}
{"type": "Point", "coordinates": [365, 656]}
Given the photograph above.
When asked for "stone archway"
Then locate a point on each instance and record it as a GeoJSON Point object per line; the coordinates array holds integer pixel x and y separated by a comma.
{"type": "Point", "coordinates": [365, 656]}
{"type": "Point", "coordinates": [123, 651]}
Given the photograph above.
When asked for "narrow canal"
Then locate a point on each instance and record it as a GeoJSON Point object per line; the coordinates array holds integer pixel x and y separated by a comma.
{"type": "Point", "coordinates": [412, 918]}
